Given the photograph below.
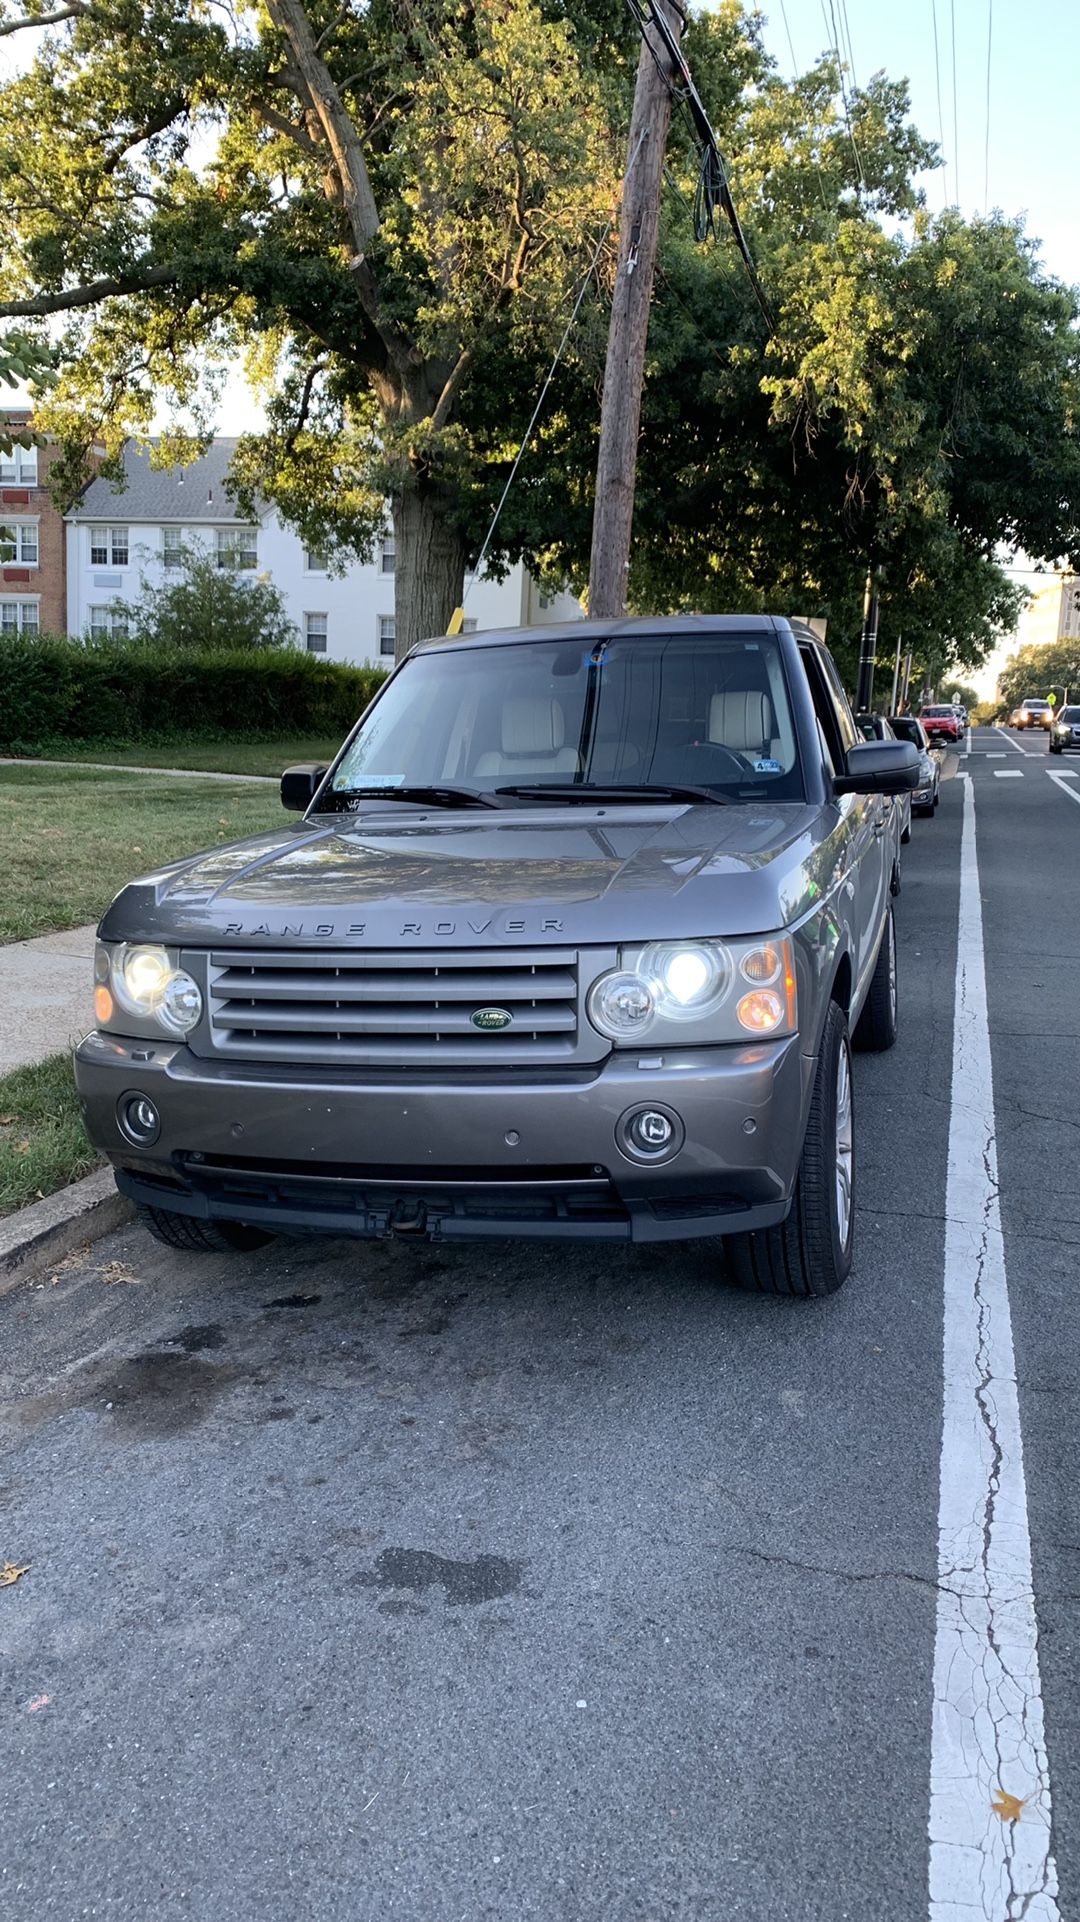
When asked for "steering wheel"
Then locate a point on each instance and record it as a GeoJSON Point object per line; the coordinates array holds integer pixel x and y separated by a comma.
{"type": "Point", "coordinates": [715, 762]}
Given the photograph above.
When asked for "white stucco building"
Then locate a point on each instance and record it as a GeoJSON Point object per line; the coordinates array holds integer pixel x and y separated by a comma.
{"type": "Point", "coordinates": [115, 540]}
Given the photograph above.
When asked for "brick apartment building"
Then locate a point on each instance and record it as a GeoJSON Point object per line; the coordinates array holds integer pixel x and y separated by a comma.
{"type": "Point", "coordinates": [33, 548]}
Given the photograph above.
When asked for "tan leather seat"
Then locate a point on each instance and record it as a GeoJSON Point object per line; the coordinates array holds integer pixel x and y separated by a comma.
{"type": "Point", "coordinates": [533, 733]}
{"type": "Point", "coordinates": [741, 719]}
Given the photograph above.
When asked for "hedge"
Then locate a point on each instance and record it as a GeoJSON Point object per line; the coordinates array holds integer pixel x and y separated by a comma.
{"type": "Point", "coordinates": [53, 689]}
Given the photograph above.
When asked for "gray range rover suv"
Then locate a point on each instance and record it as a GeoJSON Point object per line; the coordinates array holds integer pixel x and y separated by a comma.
{"type": "Point", "coordinates": [571, 940]}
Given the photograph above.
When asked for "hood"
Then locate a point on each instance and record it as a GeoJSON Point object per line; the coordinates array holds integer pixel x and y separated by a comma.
{"type": "Point", "coordinates": [527, 876]}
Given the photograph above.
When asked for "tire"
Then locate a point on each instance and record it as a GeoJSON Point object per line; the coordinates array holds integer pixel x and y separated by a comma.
{"type": "Point", "coordinates": [810, 1253]}
{"type": "Point", "coordinates": [193, 1236]}
{"type": "Point", "coordinates": [1053, 749]}
{"type": "Point", "coordinates": [906, 835]}
{"type": "Point", "coordinates": [875, 1030]}
{"type": "Point", "coordinates": [925, 814]}
{"type": "Point", "coordinates": [895, 883]}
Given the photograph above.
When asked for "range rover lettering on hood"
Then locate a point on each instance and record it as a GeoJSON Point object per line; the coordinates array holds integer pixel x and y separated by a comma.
{"type": "Point", "coordinates": [417, 930]}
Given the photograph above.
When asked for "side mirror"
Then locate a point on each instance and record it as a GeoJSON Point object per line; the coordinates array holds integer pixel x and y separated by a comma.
{"type": "Point", "coordinates": [300, 785]}
{"type": "Point", "coordinates": [880, 767]}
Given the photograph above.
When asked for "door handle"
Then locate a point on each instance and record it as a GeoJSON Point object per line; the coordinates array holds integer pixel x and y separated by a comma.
{"type": "Point", "coordinates": [879, 829]}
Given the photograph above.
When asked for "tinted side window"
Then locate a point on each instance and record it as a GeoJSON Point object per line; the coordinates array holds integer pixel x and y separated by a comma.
{"type": "Point", "coordinates": [847, 720]}
{"type": "Point", "coordinates": [828, 719]}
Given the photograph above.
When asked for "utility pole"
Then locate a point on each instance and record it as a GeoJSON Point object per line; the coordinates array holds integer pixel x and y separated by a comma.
{"type": "Point", "coordinates": [865, 695]}
{"type": "Point", "coordinates": [896, 674]}
{"type": "Point", "coordinates": [620, 418]}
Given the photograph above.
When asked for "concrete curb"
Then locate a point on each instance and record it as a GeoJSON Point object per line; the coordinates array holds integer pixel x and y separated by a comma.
{"type": "Point", "coordinates": [41, 1235]}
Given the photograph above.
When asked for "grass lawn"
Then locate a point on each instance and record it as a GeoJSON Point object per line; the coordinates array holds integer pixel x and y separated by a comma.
{"type": "Point", "coordinates": [43, 1144]}
{"type": "Point", "coordinates": [72, 837]}
{"type": "Point", "coordinates": [216, 757]}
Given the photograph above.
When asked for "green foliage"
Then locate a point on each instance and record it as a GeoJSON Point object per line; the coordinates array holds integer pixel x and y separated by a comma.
{"type": "Point", "coordinates": [43, 1144]}
{"type": "Point", "coordinates": [960, 691]}
{"type": "Point", "coordinates": [206, 606]}
{"type": "Point", "coordinates": [1035, 669]}
{"type": "Point", "coordinates": [53, 689]}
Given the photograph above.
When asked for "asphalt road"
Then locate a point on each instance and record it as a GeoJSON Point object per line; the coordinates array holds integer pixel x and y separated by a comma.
{"type": "Point", "coordinates": [447, 1585]}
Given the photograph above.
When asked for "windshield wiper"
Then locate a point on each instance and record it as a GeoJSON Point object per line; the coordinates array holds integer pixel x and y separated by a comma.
{"type": "Point", "coordinates": [438, 796]}
{"type": "Point", "coordinates": [599, 791]}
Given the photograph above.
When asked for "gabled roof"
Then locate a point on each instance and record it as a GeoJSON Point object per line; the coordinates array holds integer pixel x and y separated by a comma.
{"type": "Point", "coordinates": [195, 495]}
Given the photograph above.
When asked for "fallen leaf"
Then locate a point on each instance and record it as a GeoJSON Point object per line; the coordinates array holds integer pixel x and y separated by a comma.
{"type": "Point", "coordinates": [6, 1120]}
{"type": "Point", "coordinates": [39, 1701]}
{"type": "Point", "coordinates": [22, 1147]}
{"type": "Point", "coordinates": [1008, 1807]}
{"type": "Point", "coordinates": [136, 850]}
{"type": "Point", "coordinates": [118, 1271]}
{"type": "Point", "coordinates": [9, 1574]}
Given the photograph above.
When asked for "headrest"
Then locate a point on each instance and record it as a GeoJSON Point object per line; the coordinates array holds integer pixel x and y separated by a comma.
{"type": "Point", "coordinates": [740, 719]}
{"type": "Point", "coordinates": [532, 727]}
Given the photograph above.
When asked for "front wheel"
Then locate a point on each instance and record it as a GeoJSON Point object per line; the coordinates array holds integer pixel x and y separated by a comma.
{"type": "Point", "coordinates": [875, 1030]}
{"type": "Point", "coordinates": [810, 1252]}
{"type": "Point", "coordinates": [193, 1236]}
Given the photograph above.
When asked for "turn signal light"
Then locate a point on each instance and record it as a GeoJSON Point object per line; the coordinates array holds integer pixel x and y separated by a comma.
{"type": "Point", "coordinates": [103, 1004]}
{"type": "Point", "coordinates": [761, 1011]}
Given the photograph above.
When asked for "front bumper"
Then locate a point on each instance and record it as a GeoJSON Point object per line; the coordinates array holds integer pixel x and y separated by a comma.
{"type": "Point", "coordinates": [539, 1155]}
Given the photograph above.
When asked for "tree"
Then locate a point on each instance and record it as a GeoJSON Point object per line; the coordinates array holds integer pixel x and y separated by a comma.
{"type": "Point", "coordinates": [208, 606]}
{"type": "Point", "coordinates": [960, 691]}
{"type": "Point", "coordinates": [916, 407]}
{"type": "Point", "coordinates": [1035, 669]}
{"type": "Point", "coordinates": [376, 203]}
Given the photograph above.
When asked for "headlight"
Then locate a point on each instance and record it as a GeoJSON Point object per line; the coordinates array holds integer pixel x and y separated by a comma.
{"type": "Point", "coordinates": [149, 984]}
{"type": "Point", "coordinates": [699, 991]}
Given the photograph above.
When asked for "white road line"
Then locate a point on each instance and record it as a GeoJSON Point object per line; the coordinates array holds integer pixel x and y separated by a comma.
{"type": "Point", "coordinates": [1059, 780]}
{"type": "Point", "coordinates": [991, 756]}
{"type": "Point", "coordinates": [1009, 742]}
{"type": "Point", "coordinates": [1008, 774]}
{"type": "Point", "coordinates": [987, 1733]}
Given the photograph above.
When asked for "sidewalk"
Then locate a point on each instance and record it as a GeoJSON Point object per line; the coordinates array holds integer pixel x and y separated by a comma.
{"type": "Point", "coordinates": [45, 991]}
{"type": "Point", "coordinates": [117, 767]}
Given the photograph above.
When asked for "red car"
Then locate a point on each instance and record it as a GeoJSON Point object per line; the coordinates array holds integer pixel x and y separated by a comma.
{"type": "Point", "coordinates": [941, 723]}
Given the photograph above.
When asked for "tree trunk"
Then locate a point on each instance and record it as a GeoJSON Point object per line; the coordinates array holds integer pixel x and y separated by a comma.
{"type": "Point", "coordinates": [430, 577]}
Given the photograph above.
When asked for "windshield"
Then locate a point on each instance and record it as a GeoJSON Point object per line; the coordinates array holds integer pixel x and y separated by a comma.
{"type": "Point", "coordinates": [907, 728]}
{"type": "Point", "coordinates": [1071, 714]}
{"type": "Point", "coordinates": [1039, 705]}
{"type": "Point", "coordinates": [640, 710]}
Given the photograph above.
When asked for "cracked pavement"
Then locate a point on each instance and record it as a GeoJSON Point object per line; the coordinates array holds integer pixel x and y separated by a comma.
{"type": "Point", "coordinates": [466, 1584]}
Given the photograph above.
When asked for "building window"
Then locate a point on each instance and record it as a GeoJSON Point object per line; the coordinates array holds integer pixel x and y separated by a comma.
{"type": "Point", "coordinates": [315, 626]}
{"type": "Point", "coordinates": [107, 624]}
{"type": "Point", "coordinates": [108, 547]}
{"type": "Point", "coordinates": [389, 554]}
{"type": "Point", "coordinates": [236, 547]}
{"type": "Point", "coordinates": [19, 467]}
{"type": "Point", "coordinates": [314, 561]}
{"type": "Point", "coordinates": [386, 634]}
{"type": "Point", "coordinates": [172, 546]}
{"type": "Point", "coordinates": [18, 617]}
{"type": "Point", "coordinates": [19, 543]}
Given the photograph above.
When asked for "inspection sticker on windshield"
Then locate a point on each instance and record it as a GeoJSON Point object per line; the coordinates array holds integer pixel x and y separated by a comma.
{"type": "Point", "coordinates": [765, 766]}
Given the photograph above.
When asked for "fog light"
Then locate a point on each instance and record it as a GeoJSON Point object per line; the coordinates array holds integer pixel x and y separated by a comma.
{"type": "Point", "coordinates": [650, 1134]}
{"type": "Point", "coordinates": [139, 1119]}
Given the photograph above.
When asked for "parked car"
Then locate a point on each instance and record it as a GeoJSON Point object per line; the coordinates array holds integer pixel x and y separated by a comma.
{"type": "Point", "coordinates": [926, 796]}
{"type": "Point", "coordinates": [941, 722]}
{"type": "Point", "coordinates": [875, 727]}
{"type": "Point", "coordinates": [573, 939]}
{"type": "Point", "coordinates": [1065, 733]}
{"type": "Point", "coordinates": [1033, 713]}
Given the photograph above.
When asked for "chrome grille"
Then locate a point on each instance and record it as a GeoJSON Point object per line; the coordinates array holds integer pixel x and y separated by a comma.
{"type": "Point", "coordinates": [394, 1008]}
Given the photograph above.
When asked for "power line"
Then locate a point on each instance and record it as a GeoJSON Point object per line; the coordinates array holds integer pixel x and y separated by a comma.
{"type": "Point", "coordinates": [795, 79]}
{"type": "Point", "coordinates": [955, 114]}
{"type": "Point", "coordinates": [940, 115]}
{"type": "Point", "coordinates": [845, 28]}
{"type": "Point", "coordinates": [986, 155]}
{"type": "Point", "coordinates": [834, 43]}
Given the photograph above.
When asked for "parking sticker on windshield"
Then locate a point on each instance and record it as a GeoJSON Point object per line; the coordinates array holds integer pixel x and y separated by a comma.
{"type": "Point", "coordinates": [765, 766]}
{"type": "Point", "coordinates": [346, 777]}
